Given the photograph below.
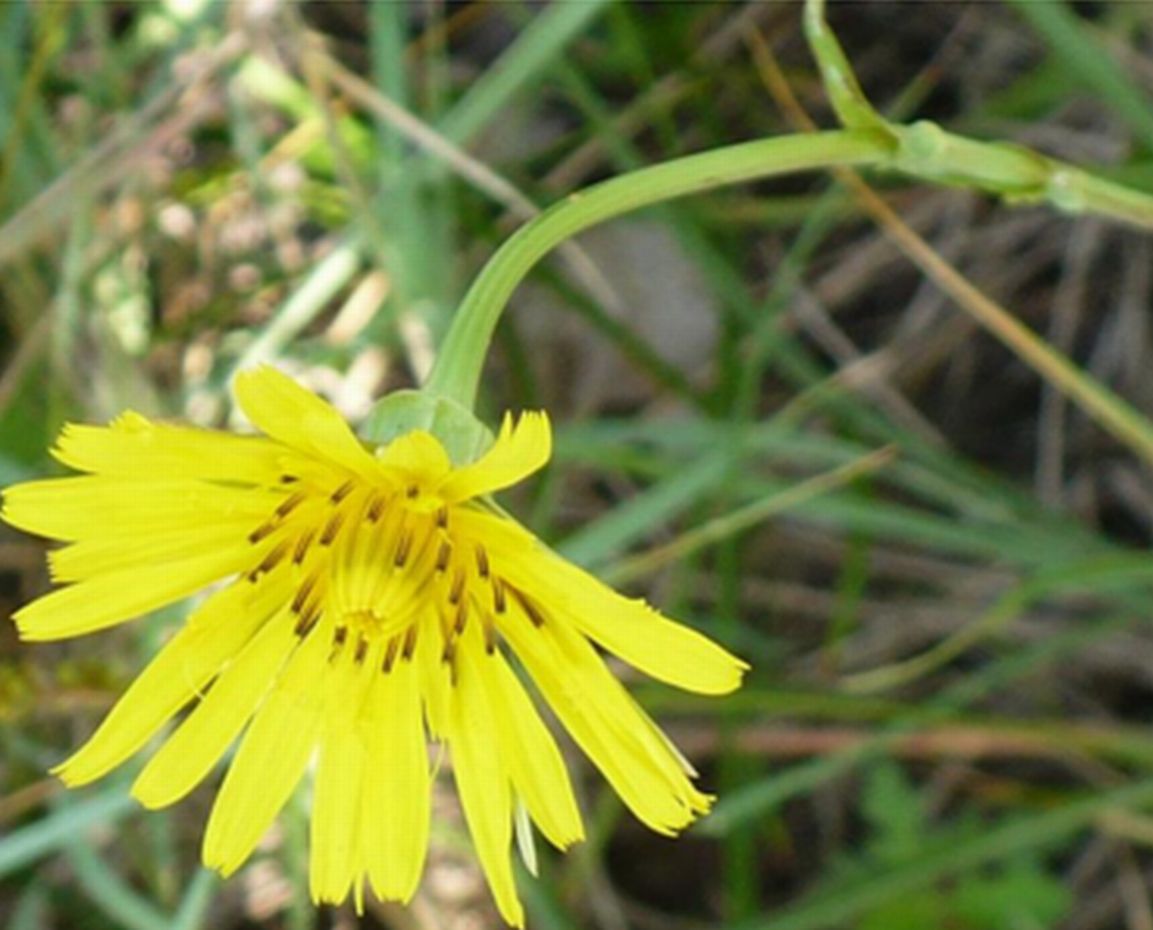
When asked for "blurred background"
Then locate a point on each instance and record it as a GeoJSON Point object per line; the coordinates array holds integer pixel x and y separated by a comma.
{"type": "Point", "coordinates": [768, 422]}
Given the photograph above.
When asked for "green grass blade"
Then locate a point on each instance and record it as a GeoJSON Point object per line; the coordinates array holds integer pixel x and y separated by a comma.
{"type": "Point", "coordinates": [109, 892]}
{"type": "Point", "coordinates": [1078, 49]}
{"type": "Point", "coordinates": [58, 829]}
{"type": "Point", "coordinates": [535, 50]}
{"type": "Point", "coordinates": [828, 907]}
{"type": "Point", "coordinates": [196, 901]}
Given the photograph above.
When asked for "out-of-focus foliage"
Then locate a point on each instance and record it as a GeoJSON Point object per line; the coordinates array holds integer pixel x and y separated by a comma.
{"type": "Point", "coordinates": [947, 720]}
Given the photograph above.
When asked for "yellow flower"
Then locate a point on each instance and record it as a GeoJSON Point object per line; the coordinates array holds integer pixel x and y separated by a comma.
{"type": "Point", "coordinates": [373, 601]}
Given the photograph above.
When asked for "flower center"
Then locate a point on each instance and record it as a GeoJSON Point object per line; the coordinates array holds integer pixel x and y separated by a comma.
{"type": "Point", "coordinates": [383, 565]}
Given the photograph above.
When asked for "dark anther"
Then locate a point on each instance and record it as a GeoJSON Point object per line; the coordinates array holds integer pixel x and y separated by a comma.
{"type": "Point", "coordinates": [409, 642]}
{"type": "Point", "coordinates": [531, 610]}
{"type": "Point", "coordinates": [482, 562]}
{"type": "Point", "coordinates": [449, 652]}
{"type": "Point", "coordinates": [290, 504]}
{"type": "Point", "coordinates": [303, 592]}
{"type": "Point", "coordinates": [307, 621]}
{"type": "Point", "coordinates": [376, 508]}
{"type": "Point", "coordinates": [457, 588]}
{"type": "Point", "coordinates": [443, 554]}
{"type": "Point", "coordinates": [332, 528]}
{"type": "Point", "coordinates": [413, 492]}
{"type": "Point", "coordinates": [461, 618]}
{"type": "Point", "coordinates": [270, 561]}
{"type": "Point", "coordinates": [262, 531]}
{"type": "Point", "coordinates": [390, 654]}
{"type": "Point", "coordinates": [442, 518]}
{"type": "Point", "coordinates": [339, 638]}
{"type": "Point", "coordinates": [288, 479]}
{"type": "Point", "coordinates": [361, 650]}
{"type": "Point", "coordinates": [403, 548]}
{"type": "Point", "coordinates": [273, 558]}
{"type": "Point", "coordinates": [342, 492]}
{"type": "Point", "coordinates": [489, 639]}
{"type": "Point", "coordinates": [498, 600]}
{"type": "Point", "coordinates": [302, 545]}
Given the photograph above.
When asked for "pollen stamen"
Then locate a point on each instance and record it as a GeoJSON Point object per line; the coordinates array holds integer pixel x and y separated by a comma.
{"type": "Point", "coordinates": [263, 531]}
{"type": "Point", "coordinates": [390, 652]}
{"type": "Point", "coordinates": [457, 588]}
{"type": "Point", "coordinates": [332, 528]}
{"type": "Point", "coordinates": [443, 555]}
{"type": "Point", "coordinates": [531, 610]}
{"type": "Point", "coordinates": [339, 638]}
{"type": "Point", "coordinates": [461, 618]}
{"type": "Point", "coordinates": [409, 642]}
{"type": "Point", "coordinates": [270, 560]}
{"type": "Point", "coordinates": [303, 544]}
{"type": "Point", "coordinates": [307, 620]}
{"type": "Point", "coordinates": [499, 604]}
{"type": "Point", "coordinates": [304, 591]}
{"type": "Point", "coordinates": [403, 547]}
{"type": "Point", "coordinates": [290, 503]}
{"type": "Point", "coordinates": [376, 508]}
{"type": "Point", "coordinates": [482, 565]}
{"type": "Point", "coordinates": [342, 492]}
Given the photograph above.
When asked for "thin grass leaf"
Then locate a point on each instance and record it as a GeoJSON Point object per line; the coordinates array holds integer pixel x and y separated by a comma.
{"type": "Point", "coordinates": [830, 906]}
{"type": "Point", "coordinates": [58, 829]}
{"type": "Point", "coordinates": [1081, 53]}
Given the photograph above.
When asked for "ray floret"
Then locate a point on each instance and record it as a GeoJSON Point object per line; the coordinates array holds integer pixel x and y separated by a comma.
{"type": "Point", "coordinates": [371, 604]}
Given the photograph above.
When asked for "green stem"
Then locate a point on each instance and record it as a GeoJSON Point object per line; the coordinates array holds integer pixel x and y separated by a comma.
{"type": "Point", "coordinates": [456, 374]}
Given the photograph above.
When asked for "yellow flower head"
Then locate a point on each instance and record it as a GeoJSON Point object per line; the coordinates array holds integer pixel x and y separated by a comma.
{"type": "Point", "coordinates": [372, 602]}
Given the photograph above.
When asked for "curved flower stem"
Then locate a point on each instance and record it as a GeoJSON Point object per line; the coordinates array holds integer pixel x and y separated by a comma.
{"type": "Point", "coordinates": [927, 151]}
{"type": "Point", "coordinates": [461, 358]}
{"type": "Point", "coordinates": [922, 150]}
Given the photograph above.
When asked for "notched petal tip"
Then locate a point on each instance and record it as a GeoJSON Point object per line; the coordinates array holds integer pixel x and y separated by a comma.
{"type": "Point", "coordinates": [416, 453]}
{"type": "Point", "coordinates": [262, 377]}
{"type": "Point", "coordinates": [630, 628]}
{"type": "Point", "coordinates": [31, 628]}
{"type": "Point", "coordinates": [148, 801]}
{"type": "Point", "coordinates": [522, 447]}
{"type": "Point", "coordinates": [293, 415]}
{"type": "Point", "coordinates": [71, 771]}
{"type": "Point", "coordinates": [17, 506]}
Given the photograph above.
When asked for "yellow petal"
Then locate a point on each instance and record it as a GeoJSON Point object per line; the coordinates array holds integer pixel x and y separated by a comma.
{"type": "Point", "coordinates": [213, 634]}
{"type": "Point", "coordinates": [534, 762]}
{"type": "Point", "coordinates": [122, 595]}
{"type": "Point", "coordinates": [662, 648]}
{"type": "Point", "coordinates": [642, 637]}
{"type": "Point", "coordinates": [418, 453]}
{"type": "Point", "coordinates": [96, 556]}
{"type": "Point", "coordinates": [271, 758]}
{"type": "Point", "coordinates": [284, 410]}
{"type": "Point", "coordinates": [199, 742]}
{"type": "Point", "coordinates": [99, 507]}
{"type": "Point", "coordinates": [606, 723]}
{"type": "Point", "coordinates": [481, 778]}
{"type": "Point", "coordinates": [135, 447]}
{"type": "Point", "coordinates": [395, 820]}
{"type": "Point", "coordinates": [434, 676]}
{"type": "Point", "coordinates": [336, 811]}
{"type": "Point", "coordinates": [519, 450]}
